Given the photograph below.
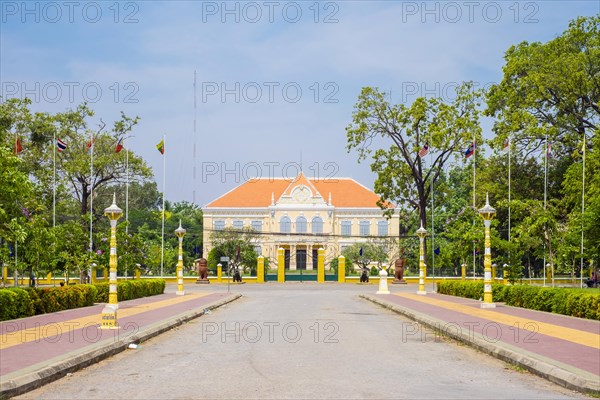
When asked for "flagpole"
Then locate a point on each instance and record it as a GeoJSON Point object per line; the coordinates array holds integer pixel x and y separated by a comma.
{"type": "Point", "coordinates": [509, 161]}
{"type": "Point", "coordinates": [474, 207]}
{"type": "Point", "coordinates": [194, 154]}
{"type": "Point", "coordinates": [54, 184]}
{"type": "Point", "coordinates": [432, 211]}
{"type": "Point", "coordinates": [162, 242]}
{"type": "Point", "coordinates": [126, 198]}
{"type": "Point", "coordinates": [582, 209]}
{"type": "Point", "coordinates": [545, 203]}
{"type": "Point", "coordinates": [91, 189]}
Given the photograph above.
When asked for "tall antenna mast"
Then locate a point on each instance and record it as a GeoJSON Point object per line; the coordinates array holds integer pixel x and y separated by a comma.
{"type": "Point", "coordinates": [194, 155]}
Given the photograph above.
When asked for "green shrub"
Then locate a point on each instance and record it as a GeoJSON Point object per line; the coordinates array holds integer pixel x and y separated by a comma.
{"type": "Point", "coordinates": [15, 303]}
{"type": "Point", "coordinates": [25, 302]}
{"type": "Point", "coordinates": [133, 289]}
{"type": "Point", "coordinates": [471, 290]}
{"type": "Point", "coordinates": [101, 292]}
{"type": "Point", "coordinates": [23, 306]}
{"type": "Point", "coordinates": [38, 304]}
{"type": "Point", "coordinates": [573, 302]}
{"type": "Point", "coordinates": [66, 297]}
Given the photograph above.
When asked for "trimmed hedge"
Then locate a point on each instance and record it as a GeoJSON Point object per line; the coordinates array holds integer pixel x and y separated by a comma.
{"type": "Point", "coordinates": [134, 289]}
{"type": "Point", "coordinates": [15, 303]}
{"type": "Point", "coordinates": [565, 301]}
{"type": "Point", "coordinates": [25, 302]}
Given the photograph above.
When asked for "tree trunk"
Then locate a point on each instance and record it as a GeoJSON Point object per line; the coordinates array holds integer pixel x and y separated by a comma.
{"type": "Point", "coordinates": [85, 194]}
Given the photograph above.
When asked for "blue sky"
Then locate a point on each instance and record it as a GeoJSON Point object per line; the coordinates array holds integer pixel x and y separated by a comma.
{"type": "Point", "coordinates": [276, 81]}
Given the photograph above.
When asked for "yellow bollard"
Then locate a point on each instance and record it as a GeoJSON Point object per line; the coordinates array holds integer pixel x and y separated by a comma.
{"type": "Point", "coordinates": [493, 273]}
{"type": "Point", "coordinates": [138, 273]}
{"type": "Point", "coordinates": [280, 265]}
{"type": "Point", "coordinates": [341, 269]}
{"type": "Point", "coordinates": [260, 270]}
{"type": "Point", "coordinates": [219, 272]}
{"type": "Point", "coordinates": [4, 275]}
{"type": "Point", "coordinates": [93, 277]}
{"type": "Point", "coordinates": [321, 266]}
{"type": "Point", "coordinates": [505, 274]}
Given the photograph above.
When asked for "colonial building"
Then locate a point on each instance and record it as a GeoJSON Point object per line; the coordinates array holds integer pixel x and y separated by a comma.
{"type": "Point", "coordinates": [301, 216]}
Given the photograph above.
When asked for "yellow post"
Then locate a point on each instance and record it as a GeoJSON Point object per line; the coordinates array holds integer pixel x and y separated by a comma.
{"type": "Point", "coordinates": [280, 265]}
{"type": "Point", "coordinates": [4, 275]}
{"type": "Point", "coordinates": [321, 265]}
{"type": "Point", "coordinates": [260, 270]}
{"type": "Point", "coordinates": [93, 277]}
{"type": "Point", "coordinates": [505, 273]}
{"type": "Point", "coordinates": [341, 269]}
{"type": "Point", "coordinates": [180, 233]}
{"type": "Point", "coordinates": [493, 273]}
{"type": "Point", "coordinates": [105, 274]}
{"type": "Point", "coordinates": [138, 273]}
{"type": "Point", "coordinates": [463, 272]}
{"type": "Point", "coordinates": [219, 272]}
{"type": "Point", "coordinates": [421, 233]}
{"type": "Point", "coordinates": [109, 313]}
{"type": "Point", "coordinates": [487, 213]}
{"type": "Point", "coordinates": [49, 278]}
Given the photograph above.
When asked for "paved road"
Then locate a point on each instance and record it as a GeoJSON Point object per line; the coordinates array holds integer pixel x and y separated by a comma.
{"type": "Point", "coordinates": [300, 341]}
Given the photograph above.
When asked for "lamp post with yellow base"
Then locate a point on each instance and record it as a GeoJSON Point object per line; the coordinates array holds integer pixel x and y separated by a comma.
{"type": "Point", "coordinates": [421, 233]}
{"type": "Point", "coordinates": [487, 213]}
{"type": "Point", "coordinates": [109, 312]}
{"type": "Point", "coordinates": [180, 233]}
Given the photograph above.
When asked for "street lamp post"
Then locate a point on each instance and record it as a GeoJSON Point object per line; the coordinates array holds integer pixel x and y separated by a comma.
{"type": "Point", "coordinates": [421, 233]}
{"type": "Point", "coordinates": [109, 313]}
{"type": "Point", "coordinates": [180, 233]}
{"type": "Point", "coordinates": [487, 213]}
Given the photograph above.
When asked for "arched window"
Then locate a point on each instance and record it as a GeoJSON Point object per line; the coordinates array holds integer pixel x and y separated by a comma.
{"type": "Point", "coordinates": [300, 225]}
{"type": "Point", "coordinates": [382, 228]}
{"type": "Point", "coordinates": [346, 228]}
{"type": "Point", "coordinates": [238, 224]}
{"type": "Point", "coordinates": [219, 225]}
{"type": "Point", "coordinates": [364, 228]}
{"type": "Point", "coordinates": [317, 225]}
{"type": "Point", "coordinates": [285, 225]}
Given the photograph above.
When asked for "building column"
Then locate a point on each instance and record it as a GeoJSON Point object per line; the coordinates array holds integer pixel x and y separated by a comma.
{"type": "Point", "coordinates": [309, 256]}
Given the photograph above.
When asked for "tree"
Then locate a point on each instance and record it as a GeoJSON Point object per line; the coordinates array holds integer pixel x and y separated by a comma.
{"type": "Point", "coordinates": [550, 89]}
{"type": "Point", "coordinates": [37, 132]}
{"type": "Point", "coordinates": [16, 193]}
{"type": "Point", "coordinates": [364, 254]}
{"type": "Point", "coordinates": [238, 246]}
{"type": "Point", "coordinates": [402, 176]}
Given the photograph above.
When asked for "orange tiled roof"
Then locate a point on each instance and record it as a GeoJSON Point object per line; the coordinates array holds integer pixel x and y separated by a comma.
{"type": "Point", "coordinates": [345, 192]}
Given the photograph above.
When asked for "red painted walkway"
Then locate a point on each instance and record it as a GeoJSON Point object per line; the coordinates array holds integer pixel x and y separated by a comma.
{"type": "Point", "coordinates": [31, 344]}
{"type": "Point", "coordinates": [569, 343]}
